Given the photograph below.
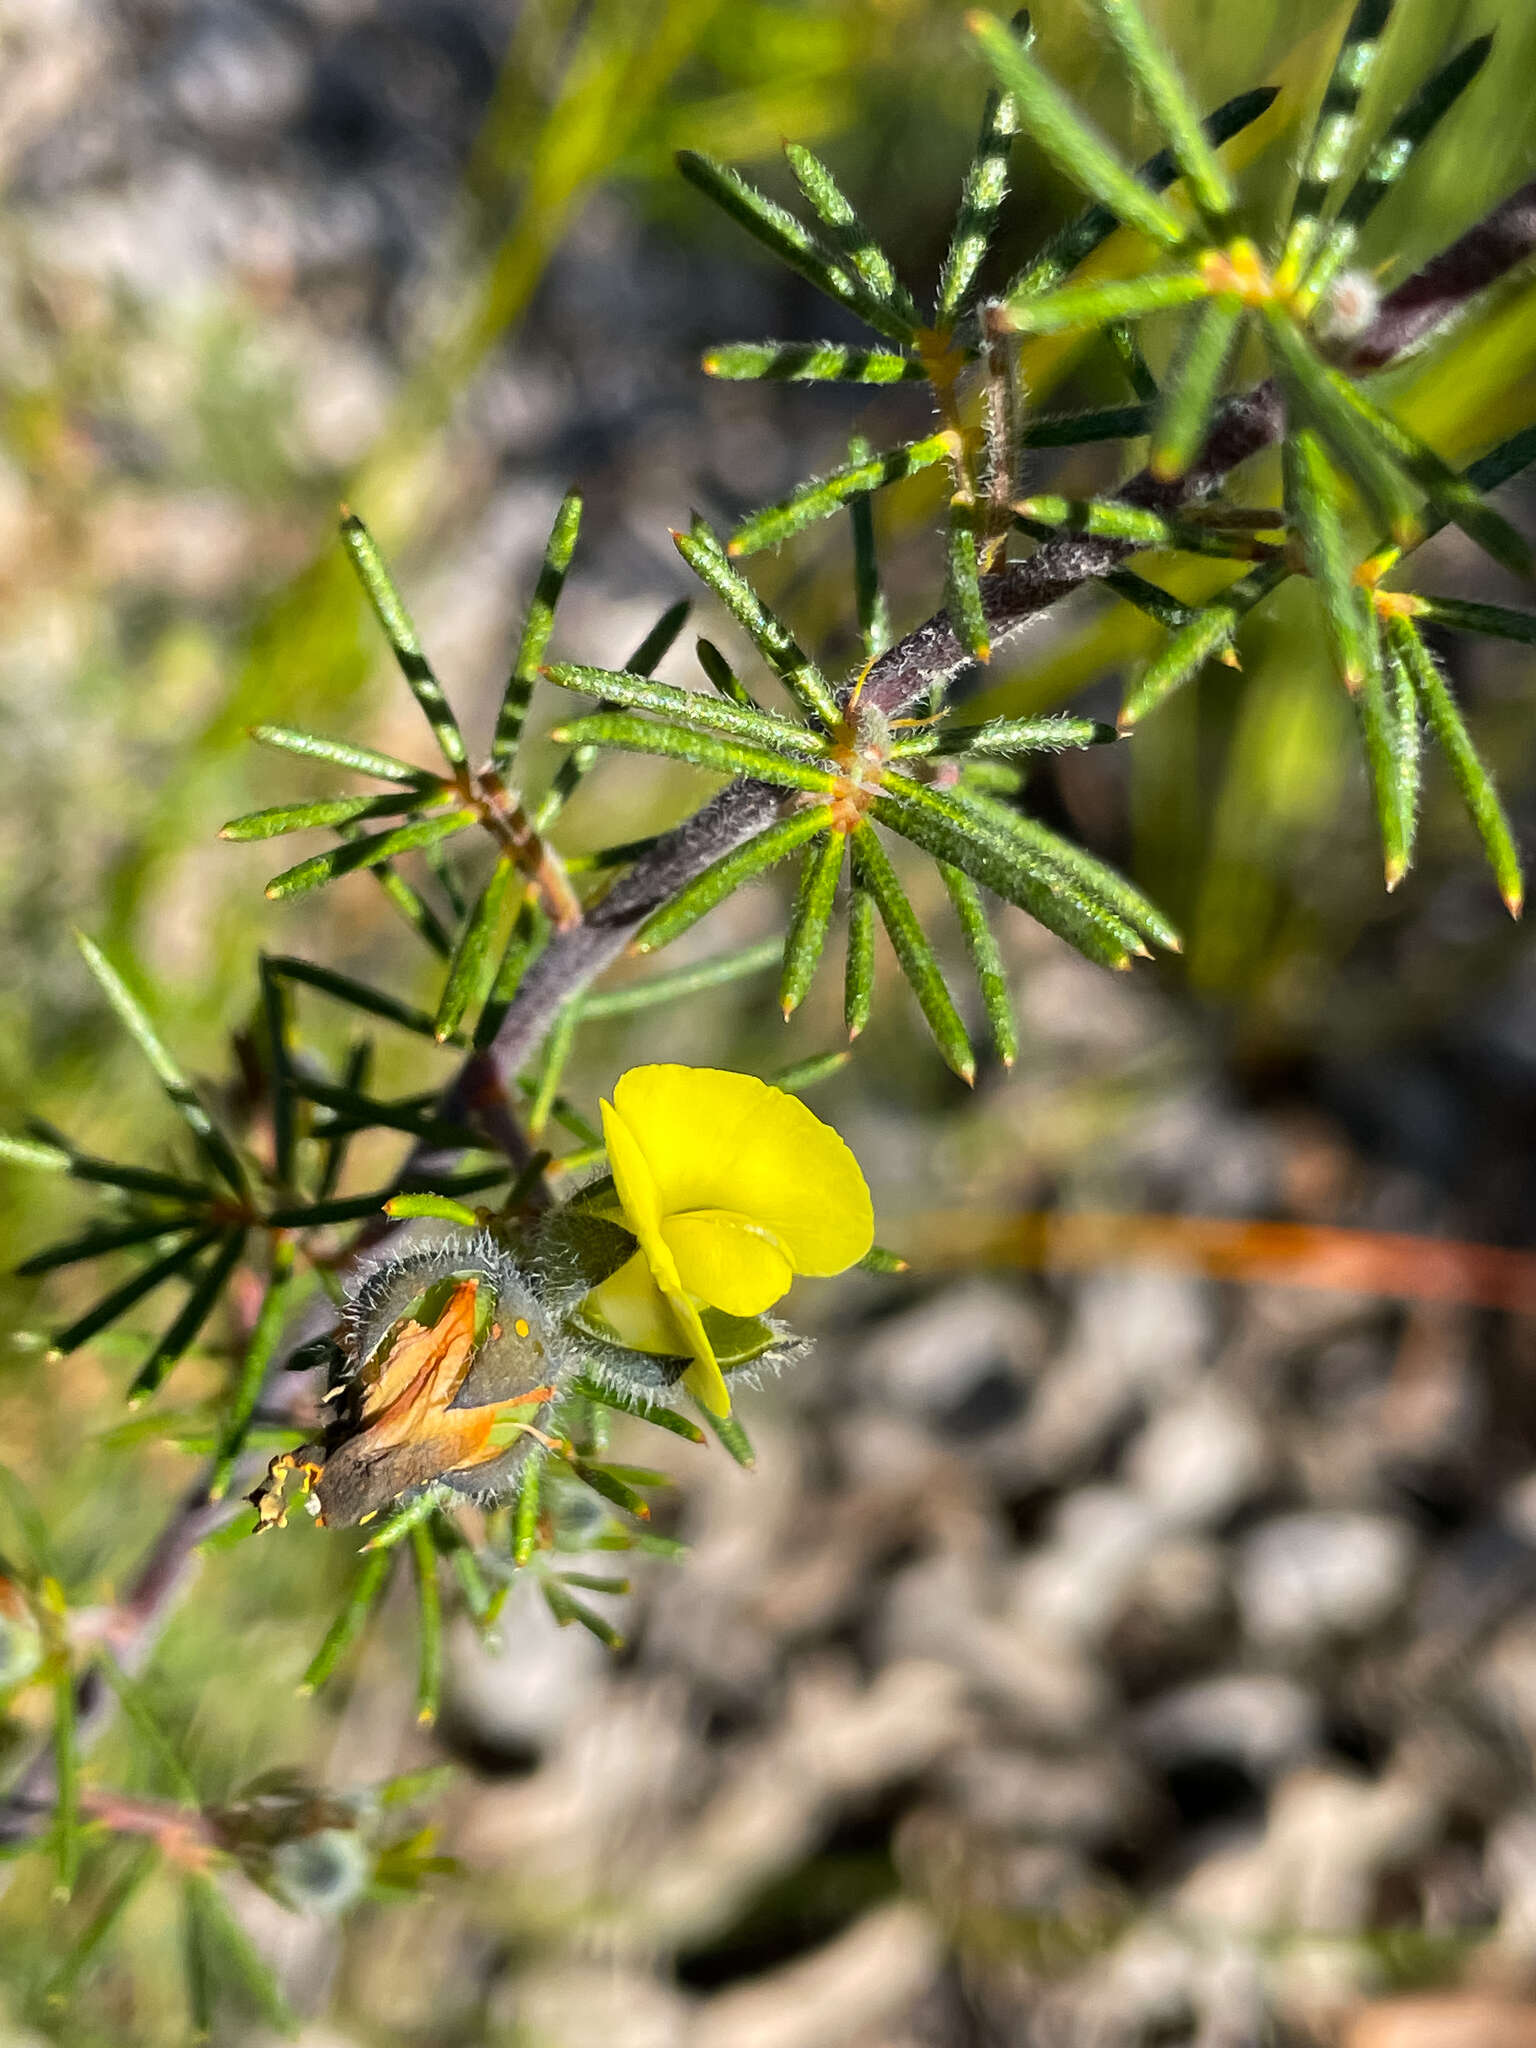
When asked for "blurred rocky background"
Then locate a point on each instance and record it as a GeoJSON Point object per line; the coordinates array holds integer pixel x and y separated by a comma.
{"type": "Point", "coordinates": [1110, 1656]}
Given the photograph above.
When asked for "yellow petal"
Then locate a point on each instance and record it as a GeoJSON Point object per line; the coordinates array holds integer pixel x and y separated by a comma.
{"type": "Point", "coordinates": [728, 1261]}
{"type": "Point", "coordinates": [722, 1141]}
{"type": "Point", "coordinates": [636, 1187]}
{"type": "Point", "coordinates": [636, 1310]}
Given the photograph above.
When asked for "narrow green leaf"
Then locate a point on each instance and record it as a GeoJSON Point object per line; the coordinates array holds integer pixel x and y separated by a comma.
{"type": "Point", "coordinates": [1210, 633]}
{"type": "Point", "coordinates": [1026, 735]}
{"type": "Point", "coordinates": [357, 995]}
{"type": "Point", "coordinates": [354, 1208]}
{"type": "Point", "coordinates": [259, 1352]}
{"type": "Point", "coordinates": [1381, 736]}
{"type": "Point", "coordinates": [1192, 385]}
{"type": "Point", "coordinates": [566, 1608]}
{"type": "Point", "coordinates": [1098, 303]}
{"type": "Point", "coordinates": [277, 1030]}
{"type": "Point", "coordinates": [470, 971]}
{"type": "Point", "coordinates": [354, 1078]}
{"type": "Point", "coordinates": [1077, 429]}
{"type": "Point", "coordinates": [314, 746]}
{"type": "Point", "coordinates": [401, 635]}
{"type": "Point", "coordinates": [720, 756]}
{"type": "Point", "coordinates": [734, 1439]}
{"type": "Point", "coordinates": [1074, 243]}
{"type": "Point", "coordinates": [723, 676]}
{"type": "Point", "coordinates": [592, 1582]}
{"type": "Point", "coordinates": [1315, 395]}
{"type": "Point", "coordinates": [182, 1333]}
{"type": "Point", "coordinates": [197, 1966]}
{"type": "Point", "coordinates": [1454, 496]}
{"type": "Point", "coordinates": [525, 1520]}
{"type": "Point", "coordinates": [822, 496]}
{"type": "Point", "coordinates": [686, 981]}
{"type": "Point", "coordinates": [690, 707]}
{"type": "Point", "coordinates": [982, 196]}
{"type": "Point", "coordinates": [44, 1158]}
{"type": "Point", "coordinates": [211, 1140]}
{"type": "Point", "coordinates": [351, 1621]}
{"type": "Point", "coordinates": [1171, 107]}
{"type": "Point", "coordinates": [333, 810]}
{"type": "Point", "coordinates": [802, 1074]}
{"type": "Point", "coordinates": [405, 1518]}
{"type": "Point", "coordinates": [1151, 598]}
{"type": "Point", "coordinates": [1468, 617]}
{"type": "Point", "coordinates": [986, 958]}
{"type": "Point", "coordinates": [634, 1404]}
{"type": "Point", "coordinates": [878, 1260]}
{"type": "Point", "coordinates": [1470, 775]}
{"type": "Point", "coordinates": [962, 585]}
{"type": "Point", "coordinates": [1115, 520]}
{"type": "Point", "coordinates": [409, 902]}
{"type": "Point", "coordinates": [914, 954]}
{"type": "Point", "coordinates": [1333, 132]}
{"type": "Point", "coordinates": [580, 762]}
{"type": "Point", "coordinates": [1121, 336]}
{"type": "Point", "coordinates": [1095, 877]}
{"type": "Point", "coordinates": [812, 362]}
{"type": "Point", "coordinates": [1004, 736]}
{"type": "Point", "coordinates": [1388, 161]}
{"type": "Point", "coordinates": [789, 240]}
{"type": "Point", "coordinates": [321, 868]}
{"type": "Point", "coordinates": [1503, 462]}
{"type": "Point", "coordinates": [1313, 500]}
{"type": "Point", "coordinates": [142, 1860]}
{"type": "Point", "coordinates": [405, 1207]}
{"type": "Point", "coordinates": [537, 626]}
{"type": "Point", "coordinates": [227, 1948]}
{"type": "Point", "coordinates": [133, 1290]}
{"type": "Point", "coordinates": [1068, 140]}
{"type": "Point", "coordinates": [1406, 747]}
{"type": "Point", "coordinates": [810, 918]}
{"type": "Point", "coordinates": [94, 1244]}
{"type": "Point", "coordinates": [869, 598]}
{"type": "Point", "coordinates": [850, 234]}
{"type": "Point", "coordinates": [754, 857]}
{"type": "Point", "coordinates": [991, 777]}
{"type": "Point", "coordinates": [605, 1481]}
{"type": "Point", "coordinates": [558, 1047]}
{"type": "Point", "coordinates": [66, 1778]}
{"type": "Point", "coordinates": [859, 972]}
{"type": "Point", "coordinates": [429, 1625]}
{"type": "Point", "coordinates": [773, 640]}
{"type": "Point", "coordinates": [529, 936]}
{"type": "Point", "coordinates": [952, 827]}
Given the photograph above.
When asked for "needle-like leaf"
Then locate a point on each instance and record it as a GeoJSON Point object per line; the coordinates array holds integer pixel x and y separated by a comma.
{"type": "Point", "coordinates": [859, 970]}
{"type": "Point", "coordinates": [991, 974]}
{"type": "Point", "coordinates": [812, 362]}
{"type": "Point", "coordinates": [710, 713]}
{"type": "Point", "coordinates": [686, 981]}
{"type": "Point", "coordinates": [1332, 133]}
{"type": "Point", "coordinates": [1068, 140]}
{"type": "Point", "coordinates": [850, 235]}
{"type": "Point", "coordinates": [346, 859]}
{"type": "Point", "coordinates": [772, 638]}
{"type": "Point", "coordinates": [676, 743]}
{"type": "Point", "coordinates": [206, 1289]}
{"type": "Point", "coordinates": [981, 198]}
{"type": "Point", "coordinates": [537, 626]}
{"type": "Point", "coordinates": [754, 857]}
{"type": "Point", "coordinates": [401, 635]}
{"type": "Point", "coordinates": [821, 496]}
{"type": "Point", "coordinates": [914, 954]}
{"type": "Point", "coordinates": [1193, 382]}
{"type": "Point", "coordinates": [810, 919]}
{"type": "Point", "coordinates": [1172, 109]}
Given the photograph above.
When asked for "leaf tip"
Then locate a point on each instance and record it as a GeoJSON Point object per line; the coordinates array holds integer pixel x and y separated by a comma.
{"type": "Point", "coordinates": [1514, 900]}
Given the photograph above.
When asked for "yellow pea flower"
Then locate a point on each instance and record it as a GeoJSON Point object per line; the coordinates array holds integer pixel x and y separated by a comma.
{"type": "Point", "coordinates": [731, 1187]}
